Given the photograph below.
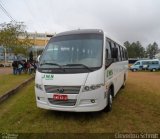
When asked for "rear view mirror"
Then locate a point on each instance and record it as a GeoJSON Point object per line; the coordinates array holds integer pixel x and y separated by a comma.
{"type": "Point", "coordinates": [115, 52]}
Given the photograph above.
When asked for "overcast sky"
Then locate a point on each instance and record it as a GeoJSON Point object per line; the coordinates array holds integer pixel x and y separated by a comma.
{"type": "Point", "coordinates": [130, 20]}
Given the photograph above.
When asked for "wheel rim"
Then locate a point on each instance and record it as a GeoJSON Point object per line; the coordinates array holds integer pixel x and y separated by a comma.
{"type": "Point", "coordinates": [110, 100]}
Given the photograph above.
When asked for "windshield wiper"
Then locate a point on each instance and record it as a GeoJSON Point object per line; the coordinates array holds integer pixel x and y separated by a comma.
{"type": "Point", "coordinates": [72, 65]}
{"type": "Point", "coordinates": [55, 64]}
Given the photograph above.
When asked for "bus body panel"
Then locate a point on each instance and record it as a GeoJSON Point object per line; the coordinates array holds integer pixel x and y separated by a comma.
{"type": "Point", "coordinates": [83, 99]}
{"type": "Point", "coordinates": [120, 71]}
{"type": "Point", "coordinates": [154, 64]}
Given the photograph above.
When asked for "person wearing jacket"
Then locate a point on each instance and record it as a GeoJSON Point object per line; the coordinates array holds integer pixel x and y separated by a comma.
{"type": "Point", "coordinates": [15, 67]}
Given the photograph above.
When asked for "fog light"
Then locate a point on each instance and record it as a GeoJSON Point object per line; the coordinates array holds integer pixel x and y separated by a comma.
{"type": "Point", "coordinates": [86, 88]}
{"type": "Point", "coordinates": [93, 87]}
{"type": "Point", "coordinates": [93, 100]}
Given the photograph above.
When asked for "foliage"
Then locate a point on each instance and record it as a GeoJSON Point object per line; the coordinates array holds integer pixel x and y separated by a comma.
{"type": "Point", "coordinates": [135, 49]}
{"type": "Point", "coordinates": [152, 49]}
{"type": "Point", "coordinates": [10, 34]}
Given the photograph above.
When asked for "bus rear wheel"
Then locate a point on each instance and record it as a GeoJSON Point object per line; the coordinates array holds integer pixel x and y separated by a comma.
{"type": "Point", "coordinates": [153, 70]}
{"type": "Point", "coordinates": [134, 70]}
{"type": "Point", "coordinates": [124, 82]}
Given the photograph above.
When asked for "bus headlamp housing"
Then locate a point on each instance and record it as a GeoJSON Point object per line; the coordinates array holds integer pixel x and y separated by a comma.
{"type": "Point", "coordinates": [39, 86]}
{"type": "Point", "coordinates": [91, 87]}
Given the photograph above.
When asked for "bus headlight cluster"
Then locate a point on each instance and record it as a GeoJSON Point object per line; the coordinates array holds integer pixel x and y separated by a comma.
{"type": "Point", "coordinates": [92, 87]}
{"type": "Point", "coordinates": [39, 86]}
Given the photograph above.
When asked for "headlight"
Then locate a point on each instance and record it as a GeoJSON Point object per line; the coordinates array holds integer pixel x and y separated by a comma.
{"type": "Point", "coordinates": [92, 87]}
{"type": "Point", "coordinates": [39, 86]}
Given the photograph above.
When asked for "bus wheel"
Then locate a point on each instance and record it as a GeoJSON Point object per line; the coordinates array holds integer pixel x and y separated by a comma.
{"type": "Point", "coordinates": [124, 82]}
{"type": "Point", "coordinates": [134, 70]}
{"type": "Point", "coordinates": [153, 70]}
{"type": "Point", "coordinates": [110, 99]}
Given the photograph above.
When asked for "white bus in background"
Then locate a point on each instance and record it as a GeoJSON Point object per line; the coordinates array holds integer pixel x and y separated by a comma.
{"type": "Point", "coordinates": [147, 64]}
{"type": "Point", "coordinates": [80, 71]}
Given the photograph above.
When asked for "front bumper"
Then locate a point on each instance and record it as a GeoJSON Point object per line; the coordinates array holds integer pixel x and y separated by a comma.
{"type": "Point", "coordinates": [84, 101]}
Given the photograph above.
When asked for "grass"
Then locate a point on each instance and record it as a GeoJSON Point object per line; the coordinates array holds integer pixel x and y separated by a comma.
{"type": "Point", "coordinates": [135, 109]}
{"type": "Point", "coordinates": [9, 81]}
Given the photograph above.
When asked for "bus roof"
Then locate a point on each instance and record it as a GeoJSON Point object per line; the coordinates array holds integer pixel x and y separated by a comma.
{"type": "Point", "coordinates": [148, 60]}
{"type": "Point", "coordinates": [83, 31]}
{"type": "Point", "coordinates": [80, 31]}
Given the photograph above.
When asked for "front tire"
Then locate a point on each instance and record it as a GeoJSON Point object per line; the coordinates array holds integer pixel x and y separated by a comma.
{"type": "Point", "coordinates": [110, 100]}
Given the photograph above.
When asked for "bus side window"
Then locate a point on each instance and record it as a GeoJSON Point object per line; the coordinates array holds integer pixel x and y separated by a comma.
{"type": "Point", "coordinates": [120, 51]}
{"type": "Point", "coordinates": [155, 62]}
{"type": "Point", "coordinates": [119, 54]}
{"type": "Point", "coordinates": [126, 55]}
{"type": "Point", "coordinates": [108, 58]}
{"type": "Point", "coordinates": [111, 46]}
{"type": "Point", "coordinates": [137, 63]}
{"type": "Point", "coordinates": [122, 56]}
{"type": "Point", "coordinates": [106, 53]}
{"type": "Point", "coordinates": [108, 50]}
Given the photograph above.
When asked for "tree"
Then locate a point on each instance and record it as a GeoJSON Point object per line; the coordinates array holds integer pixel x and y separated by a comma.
{"type": "Point", "coordinates": [152, 49]}
{"type": "Point", "coordinates": [10, 34]}
{"type": "Point", "coordinates": [135, 49]}
{"type": "Point", "coordinates": [129, 48]}
{"type": "Point", "coordinates": [139, 50]}
{"type": "Point", "coordinates": [127, 44]}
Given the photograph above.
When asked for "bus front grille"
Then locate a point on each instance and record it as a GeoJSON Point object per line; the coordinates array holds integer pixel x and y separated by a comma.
{"type": "Point", "coordinates": [69, 102]}
{"type": "Point", "coordinates": [62, 89]}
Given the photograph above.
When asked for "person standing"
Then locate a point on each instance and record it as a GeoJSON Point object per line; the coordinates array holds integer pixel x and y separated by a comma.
{"type": "Point", "coordinates": [20, 67]}
{"type": "Point", "coordinates": [31, 69]}
{"type": "Point", "coordinates": [15, 67]}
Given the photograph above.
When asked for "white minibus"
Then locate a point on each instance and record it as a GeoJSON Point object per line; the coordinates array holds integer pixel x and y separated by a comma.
{"type": "Point", "coordinates": [154, 65]}
{"type": "Point", "coordinates": [80, 71]}
{"type": "Point", "coordinates": [149, 64]}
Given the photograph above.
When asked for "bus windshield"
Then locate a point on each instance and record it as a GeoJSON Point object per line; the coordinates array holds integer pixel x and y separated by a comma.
{"type": "Point", "coordinates": [73, 51]}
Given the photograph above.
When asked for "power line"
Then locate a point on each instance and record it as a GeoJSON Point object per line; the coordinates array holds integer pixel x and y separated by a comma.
{"type": "Point", "coordinates": [6, 12]}
{"type": "Point", "coordinates": [32, 14]}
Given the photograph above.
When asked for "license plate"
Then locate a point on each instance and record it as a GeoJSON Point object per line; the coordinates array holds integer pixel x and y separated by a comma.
{"type": "Point", "coordinates": [60, 97]}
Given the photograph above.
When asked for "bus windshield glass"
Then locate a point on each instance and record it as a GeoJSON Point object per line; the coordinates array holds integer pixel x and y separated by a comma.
{"type": "Point", "coordinates": [73, 51]}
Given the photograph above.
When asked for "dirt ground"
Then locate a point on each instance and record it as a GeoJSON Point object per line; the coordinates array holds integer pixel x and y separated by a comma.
{"type": "Point", "coordinates": [146, 77]}
{"type": "Point", "coordinates": [5, 70]}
